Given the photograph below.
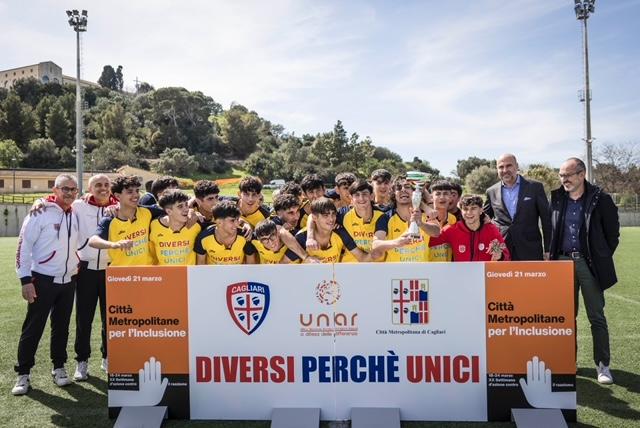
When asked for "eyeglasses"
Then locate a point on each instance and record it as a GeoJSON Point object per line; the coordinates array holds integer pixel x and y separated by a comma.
{"type": "Point", "coordinates": [563, 176]}
{"type": "Point", "coordinates": [269, 238]}
{"type": "Point", "coordinates": [66, 189]}
{"type": "Point", "coordinates": [405, 186]}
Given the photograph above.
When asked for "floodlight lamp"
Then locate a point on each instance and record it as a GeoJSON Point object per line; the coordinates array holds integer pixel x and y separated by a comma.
{"type": "Point", "coordinates": [84, 13]}
{"type": "Point", "coordinates": [75, 12]}
{"type": "Point", "coordinates": [69, 13]}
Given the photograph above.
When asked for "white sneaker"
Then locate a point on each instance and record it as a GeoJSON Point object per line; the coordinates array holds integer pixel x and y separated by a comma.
{"type": "Point", "coordinates": [22, 385]}
{"type": "Point", "coordinates": [105, 365]}
{"type": "Point", "coordinates": [604, 374]}
{"type": "Point", "coordinates": [82, 371]}
{"type": "Point", "coordinates": [60, 377]}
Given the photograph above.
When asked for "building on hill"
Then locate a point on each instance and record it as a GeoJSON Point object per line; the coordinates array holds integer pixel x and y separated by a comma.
{"type": "Point", "coordinates": [27, 180]}
{"type": "Point", "coordinates": [45, 72]}
{"type": "Point", "coordinates": [138, 172]}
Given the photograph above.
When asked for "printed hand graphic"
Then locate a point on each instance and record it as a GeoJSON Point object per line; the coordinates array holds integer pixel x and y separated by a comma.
{"type": "Point", "coordinates": [537, 388]}
{"type": "Point", "coordinates": [151, 389]}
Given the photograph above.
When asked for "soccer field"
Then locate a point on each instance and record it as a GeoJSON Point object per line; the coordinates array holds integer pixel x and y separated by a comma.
{"type": "Point", "coordinates": [85, 404]}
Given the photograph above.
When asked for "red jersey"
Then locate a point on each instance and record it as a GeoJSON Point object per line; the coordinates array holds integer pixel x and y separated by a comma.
{"type": "Point", "coordinates": [471, 245]}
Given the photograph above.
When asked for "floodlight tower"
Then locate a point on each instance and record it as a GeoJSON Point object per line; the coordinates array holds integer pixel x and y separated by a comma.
{"type": "Point", "coordinates": [78, 21]}
{"type": "Point", "coordinates": [583, 9]}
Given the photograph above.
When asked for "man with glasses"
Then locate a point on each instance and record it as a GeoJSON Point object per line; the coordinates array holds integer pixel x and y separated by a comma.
{"type": "Point", "coordinates": [585, 228]}
{"type": "Point", "coordinates": [516, 205]}
{"type": "Point", "coordinates": [47, 265]}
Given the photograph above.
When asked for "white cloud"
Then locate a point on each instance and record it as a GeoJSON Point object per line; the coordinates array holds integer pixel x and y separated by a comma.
{"type": "Point", "coordinates": [439, 80]}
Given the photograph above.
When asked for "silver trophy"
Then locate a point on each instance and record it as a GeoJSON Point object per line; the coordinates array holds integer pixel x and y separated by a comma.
{"type": "Point", "coordinates": [418, 178]}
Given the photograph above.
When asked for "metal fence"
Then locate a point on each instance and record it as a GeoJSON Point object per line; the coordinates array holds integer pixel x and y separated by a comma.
{"type": "Point", "coordinates": [18, 199]}
{"type": "Point", "coordinates": [627, 202]}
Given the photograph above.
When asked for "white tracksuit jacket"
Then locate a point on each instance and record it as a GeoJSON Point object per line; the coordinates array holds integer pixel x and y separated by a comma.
{"type": "Point", "coordinates": [89, 216]}
{"type": "Point", "coordinates": [47, 244]}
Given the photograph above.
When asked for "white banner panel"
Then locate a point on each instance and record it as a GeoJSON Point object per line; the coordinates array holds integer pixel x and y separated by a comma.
{"type": "Point", "coordinates": [402, 335]}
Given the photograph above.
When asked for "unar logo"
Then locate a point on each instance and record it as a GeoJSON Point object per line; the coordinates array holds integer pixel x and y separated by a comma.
{"type": "Point", "coordinates": [248, 304]}
{"type": "Point", "coordinates": [328, 292]}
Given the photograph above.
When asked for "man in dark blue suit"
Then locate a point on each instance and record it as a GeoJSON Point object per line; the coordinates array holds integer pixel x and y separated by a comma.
{"type": "Point", "coordinates": [519, 207]}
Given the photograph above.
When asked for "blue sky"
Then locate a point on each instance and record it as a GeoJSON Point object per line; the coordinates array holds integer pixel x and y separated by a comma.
{"type": "Point", "coordinates": [438, 80]}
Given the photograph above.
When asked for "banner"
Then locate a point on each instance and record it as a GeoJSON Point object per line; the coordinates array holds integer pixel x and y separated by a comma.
{"type": "Point", "coordinates": [440, 341]}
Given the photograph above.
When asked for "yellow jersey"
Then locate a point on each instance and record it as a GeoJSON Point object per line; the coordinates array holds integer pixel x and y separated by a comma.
{"type": "Point", "coordinates": [416, 252]}
{"type": "Point", "coordinates": [220, 254]}
{"type": "Point", "coordinates": [114, 229]}
{"type": "Point", "coordinates": [362, 232]}
{"type": "Point", "coordinates": [266, 256]}
{"type": "Point", "coordinates": [442, 252]}
{"type": "Point", "coordinates": [168, 247]}
{"type": "Point", "coordinates": [340, 240]}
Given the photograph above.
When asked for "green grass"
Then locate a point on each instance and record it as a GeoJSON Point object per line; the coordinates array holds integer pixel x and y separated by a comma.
{"type": "Point", "coordinates": [85, 404]}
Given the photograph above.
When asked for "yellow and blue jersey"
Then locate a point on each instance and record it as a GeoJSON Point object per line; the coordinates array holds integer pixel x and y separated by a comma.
{"type": "Point", "coordinates": [220, 254]}
{"type": "Point", "coordinates": [267, 256]}
{"type": "Point", "coordinates": [340, 240]}
{"type": "Point", "coordinates": [361, 232]}
{"type": "Point", "coordinates": [416, 252]}
{"type": "Point", "coordinates": [169, 247]}
{"type": "Point", "coordinates": [114, 229]}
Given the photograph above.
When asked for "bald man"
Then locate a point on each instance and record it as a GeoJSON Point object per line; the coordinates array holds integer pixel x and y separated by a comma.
{"type": "Point", "coordinates": [519, 207]}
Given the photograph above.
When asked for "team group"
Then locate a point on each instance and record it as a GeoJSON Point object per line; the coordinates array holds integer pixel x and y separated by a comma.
{"type": "Point", "coordinates": [66, 242]}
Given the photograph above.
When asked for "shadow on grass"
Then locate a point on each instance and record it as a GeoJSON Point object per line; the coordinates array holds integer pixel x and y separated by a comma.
{"type": "Point", "coordinates": [82, 407]}
{"type": "Point", "coordinates": [600, 397]}
{"type": "Point", "coordinates": [98, 383]}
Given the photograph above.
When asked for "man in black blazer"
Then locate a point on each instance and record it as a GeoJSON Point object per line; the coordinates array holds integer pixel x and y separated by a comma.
{"type": "Point", "coordinates": [586, 229]}
{"type": "Point", "coordinates": [517, 206]}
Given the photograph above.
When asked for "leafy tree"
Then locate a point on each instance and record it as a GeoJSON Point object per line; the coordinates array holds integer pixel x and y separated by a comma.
{"type": "Point", "coordinates": [17, 121]}
{"type": "Point", "coordinates": [181, 120]}
{"type": "Point", "coordinates": [332, 146]}
{"type": "Point", "coordinates": [41, 112]}
{"type": "Point", "coordinates": [480, 179]}
{"type": "Point", "coordinates": [67, 158]}
{"type": "Point", "coordinates": [108, 78]}
{"type": "Point", "coordinates": [29, 90]}
{"type": "Point", "coordinates": [58, 127]}
{"type": "Point", "coordinates": [212, 163]}
{"type": "Point", "coordinates": [8, 152]}
{"type": "Point", "coordinates": [544, 174]}
{"type": "Point", "coordinates": [52, 88]}
{"type": "Point", "coordinates": [41, 153]}
{"type": "Point", "coordinates": [239, 130]}
{"type": "Point", "coordinates": [382, 153]}
{"type": "Point", "coordinates": [465, 166]}
{"type": "Point", "coordinates": [616, 167]}
{"type": "Point", "coordinates": [114, 123]}
{"type": "Point", "coordinates": [176, 162]}
{"type": "Point", "coordinates": [119, 79]}
{"type": "Point", "coordinates": [112, 154]}
{"type": "Point", "coordinates": [144, 87]}
{"type": "Point", "coordinates": [4, 93]}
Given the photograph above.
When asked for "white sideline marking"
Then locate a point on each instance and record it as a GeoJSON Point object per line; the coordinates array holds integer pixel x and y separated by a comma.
{"type": "Point", "coordinates": [624, 299]}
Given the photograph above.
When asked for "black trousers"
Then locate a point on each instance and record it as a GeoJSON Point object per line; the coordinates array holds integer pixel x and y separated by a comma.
{"type": "Point", "coordinates": [90, 290]}
{"type": "Point", "coordinates": [54, 301]}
